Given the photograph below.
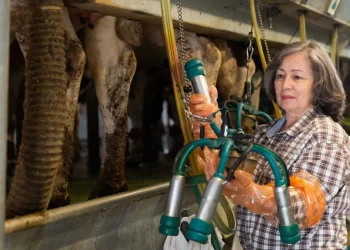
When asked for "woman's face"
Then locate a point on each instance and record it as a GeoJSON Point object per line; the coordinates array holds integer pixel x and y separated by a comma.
{"type": "Point", "coordinates": [293, 84]}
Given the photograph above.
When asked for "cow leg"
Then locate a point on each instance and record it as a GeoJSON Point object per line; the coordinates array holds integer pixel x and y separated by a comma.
{"type": "Point", "coordinates": [227, 77]}
{"type": "Point", "coordinates": [233, 75]}
{"type": "Point", "coordinates": [233, 70]}
{"type": "Point", "coordinates": [75, 64]}
{"type": "Point", "coordinates": [211, 59]}
{"type": "Point", "coordinates": [112, 63]}
{"type": "Point", "coordinates": [199, 47]}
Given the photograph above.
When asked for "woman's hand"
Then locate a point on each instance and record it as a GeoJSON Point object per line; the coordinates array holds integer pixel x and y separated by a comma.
{"type": "Point", "coordinates": [243, 191]}
{"type": "Point", "coordinates": [201, 106]}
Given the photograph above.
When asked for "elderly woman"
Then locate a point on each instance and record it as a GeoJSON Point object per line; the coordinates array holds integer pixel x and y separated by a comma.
{"type": "Point", "coordinates": [310, 140]}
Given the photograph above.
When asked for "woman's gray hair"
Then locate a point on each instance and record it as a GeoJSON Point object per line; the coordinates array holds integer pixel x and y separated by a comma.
{"type": "Point", "coordinates": [328, 93]}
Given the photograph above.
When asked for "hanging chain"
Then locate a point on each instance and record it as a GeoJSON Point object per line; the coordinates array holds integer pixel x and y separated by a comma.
{"type": "Point", "coordinates": [182, 40]}
{"type": "Point", "coordinates": [187, 86]}
{"type": "Point", "coordinates": [263, 32]}
{"type": "Point", "coordinates": [250, 51]}
{"type": "Point", "coordinates": [250, 48]}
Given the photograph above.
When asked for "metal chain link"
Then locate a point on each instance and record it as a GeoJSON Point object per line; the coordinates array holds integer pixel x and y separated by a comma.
{"type": "Point", "coordinates": [250, 48]}
{"type": "Point", "coordinates": [263, 32]}
{"type": "Point", "coordinates": [186, 98]}
{"type": "Point", "coordinates": [250, 51]}
{"type": "Point", "coordinates": [183, 55]}
{"type": "Point", "coordinates": [182, 39]}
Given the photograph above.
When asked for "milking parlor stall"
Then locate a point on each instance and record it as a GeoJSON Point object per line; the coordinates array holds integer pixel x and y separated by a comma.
{"type": "Point", "coordinates": [97, 148]}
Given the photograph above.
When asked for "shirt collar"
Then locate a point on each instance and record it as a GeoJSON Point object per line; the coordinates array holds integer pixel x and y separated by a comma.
{"type": "Point", "coordinates": [298, 127]}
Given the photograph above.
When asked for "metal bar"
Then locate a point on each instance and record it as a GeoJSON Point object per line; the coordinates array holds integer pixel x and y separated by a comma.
{"type": "Point", "coordinates": [302, 25]}
{"type": "Point", "coordinates": [230, 19]}
{"type": "Point", "coordinates": [122, 221]}
{"type": "Point", "coordinates": [72, 211]}
{"type": "Point", "coordinates": [4, 68]}
{"type": "Point", "coordinates": [334, 47]}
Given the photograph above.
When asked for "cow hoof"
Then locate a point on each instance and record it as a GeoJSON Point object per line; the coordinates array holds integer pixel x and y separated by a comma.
{"type": "Point", "coordinates": [59, 203]}
{"type": "Point", "coordinates": [107, 189]}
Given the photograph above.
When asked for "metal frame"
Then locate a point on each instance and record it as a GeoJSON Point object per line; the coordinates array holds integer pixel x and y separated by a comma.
{"type": "Point", "coordinates": [128, 220]}
{"type": "Point", "coordinates": [230, 19]}
{"type": "Point", "coordinates": [71, 211]}
{"type": "Point", "coordinates": [4, 74]}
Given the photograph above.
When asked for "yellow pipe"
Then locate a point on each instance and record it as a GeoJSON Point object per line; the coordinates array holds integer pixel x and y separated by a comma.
{"type": "Point", "coordinates": [174, 65]}
{"type": "Point", "coordinates": [302, 26]}
{"type": "Point", "coordinates": [261, 52]}
{"type": "Point", "coordinates": [334, 47]}
{"type": "Point", "coordinates": [257, 34]}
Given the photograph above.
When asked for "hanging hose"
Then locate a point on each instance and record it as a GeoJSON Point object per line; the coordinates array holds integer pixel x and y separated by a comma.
{"type": "Point", "coordinates": [45, 111]}
{"type": "Point", "coordinates": [334, 47]}
{"type": "Point", "coordinates": [302, 25]}
{"type": "Point", "coordinates": [236, 164]}
{"type": "Point", "coordinates": [260, 49]}
{"type": "Point", "coordinates": [174, 65]}
{"type": "Point", "coordinates": [257, 34]}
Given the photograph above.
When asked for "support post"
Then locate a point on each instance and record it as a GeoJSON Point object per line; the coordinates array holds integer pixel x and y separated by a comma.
{"type": "Point", "coordinates": [4, 68]}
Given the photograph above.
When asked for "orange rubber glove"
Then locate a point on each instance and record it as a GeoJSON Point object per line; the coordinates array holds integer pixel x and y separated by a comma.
{"type": "Point", "coordinates": [243, 191]}
{"type": "Point", "coordinates": [260, 199]}
{"type": "Point", "coordinates": [201, 106]}
{"type": "Point", "coordinates": [208, 160]}
{"type": "Point", "coordinates": [314, 198]}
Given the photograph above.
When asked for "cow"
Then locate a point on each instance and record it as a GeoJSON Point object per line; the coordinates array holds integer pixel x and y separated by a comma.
{"type": "Point", "coordinates": [107, 55]}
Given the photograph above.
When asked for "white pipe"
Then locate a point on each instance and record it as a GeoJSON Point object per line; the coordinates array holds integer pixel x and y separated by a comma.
{"type": "Point", "coordinates": [4, 68]}
{"type": "Point", "coordinates": [72, 212]}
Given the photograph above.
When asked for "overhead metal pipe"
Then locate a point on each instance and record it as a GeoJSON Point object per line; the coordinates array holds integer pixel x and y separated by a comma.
{"type": "Point", "coordinates": [4, 68]}
{"type": "Point", "coordinates": [302, 25]}
{"type": "Point", "coordinates": [334, 45]}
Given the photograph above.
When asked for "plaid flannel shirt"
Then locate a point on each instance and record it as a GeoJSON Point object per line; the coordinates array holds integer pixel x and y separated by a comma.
{"type": "Point", "coordinates": [321, 147]}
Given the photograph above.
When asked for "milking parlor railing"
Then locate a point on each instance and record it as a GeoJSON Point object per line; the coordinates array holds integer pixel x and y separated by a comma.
{"type": "Point", "coordinates": [4, 72]}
